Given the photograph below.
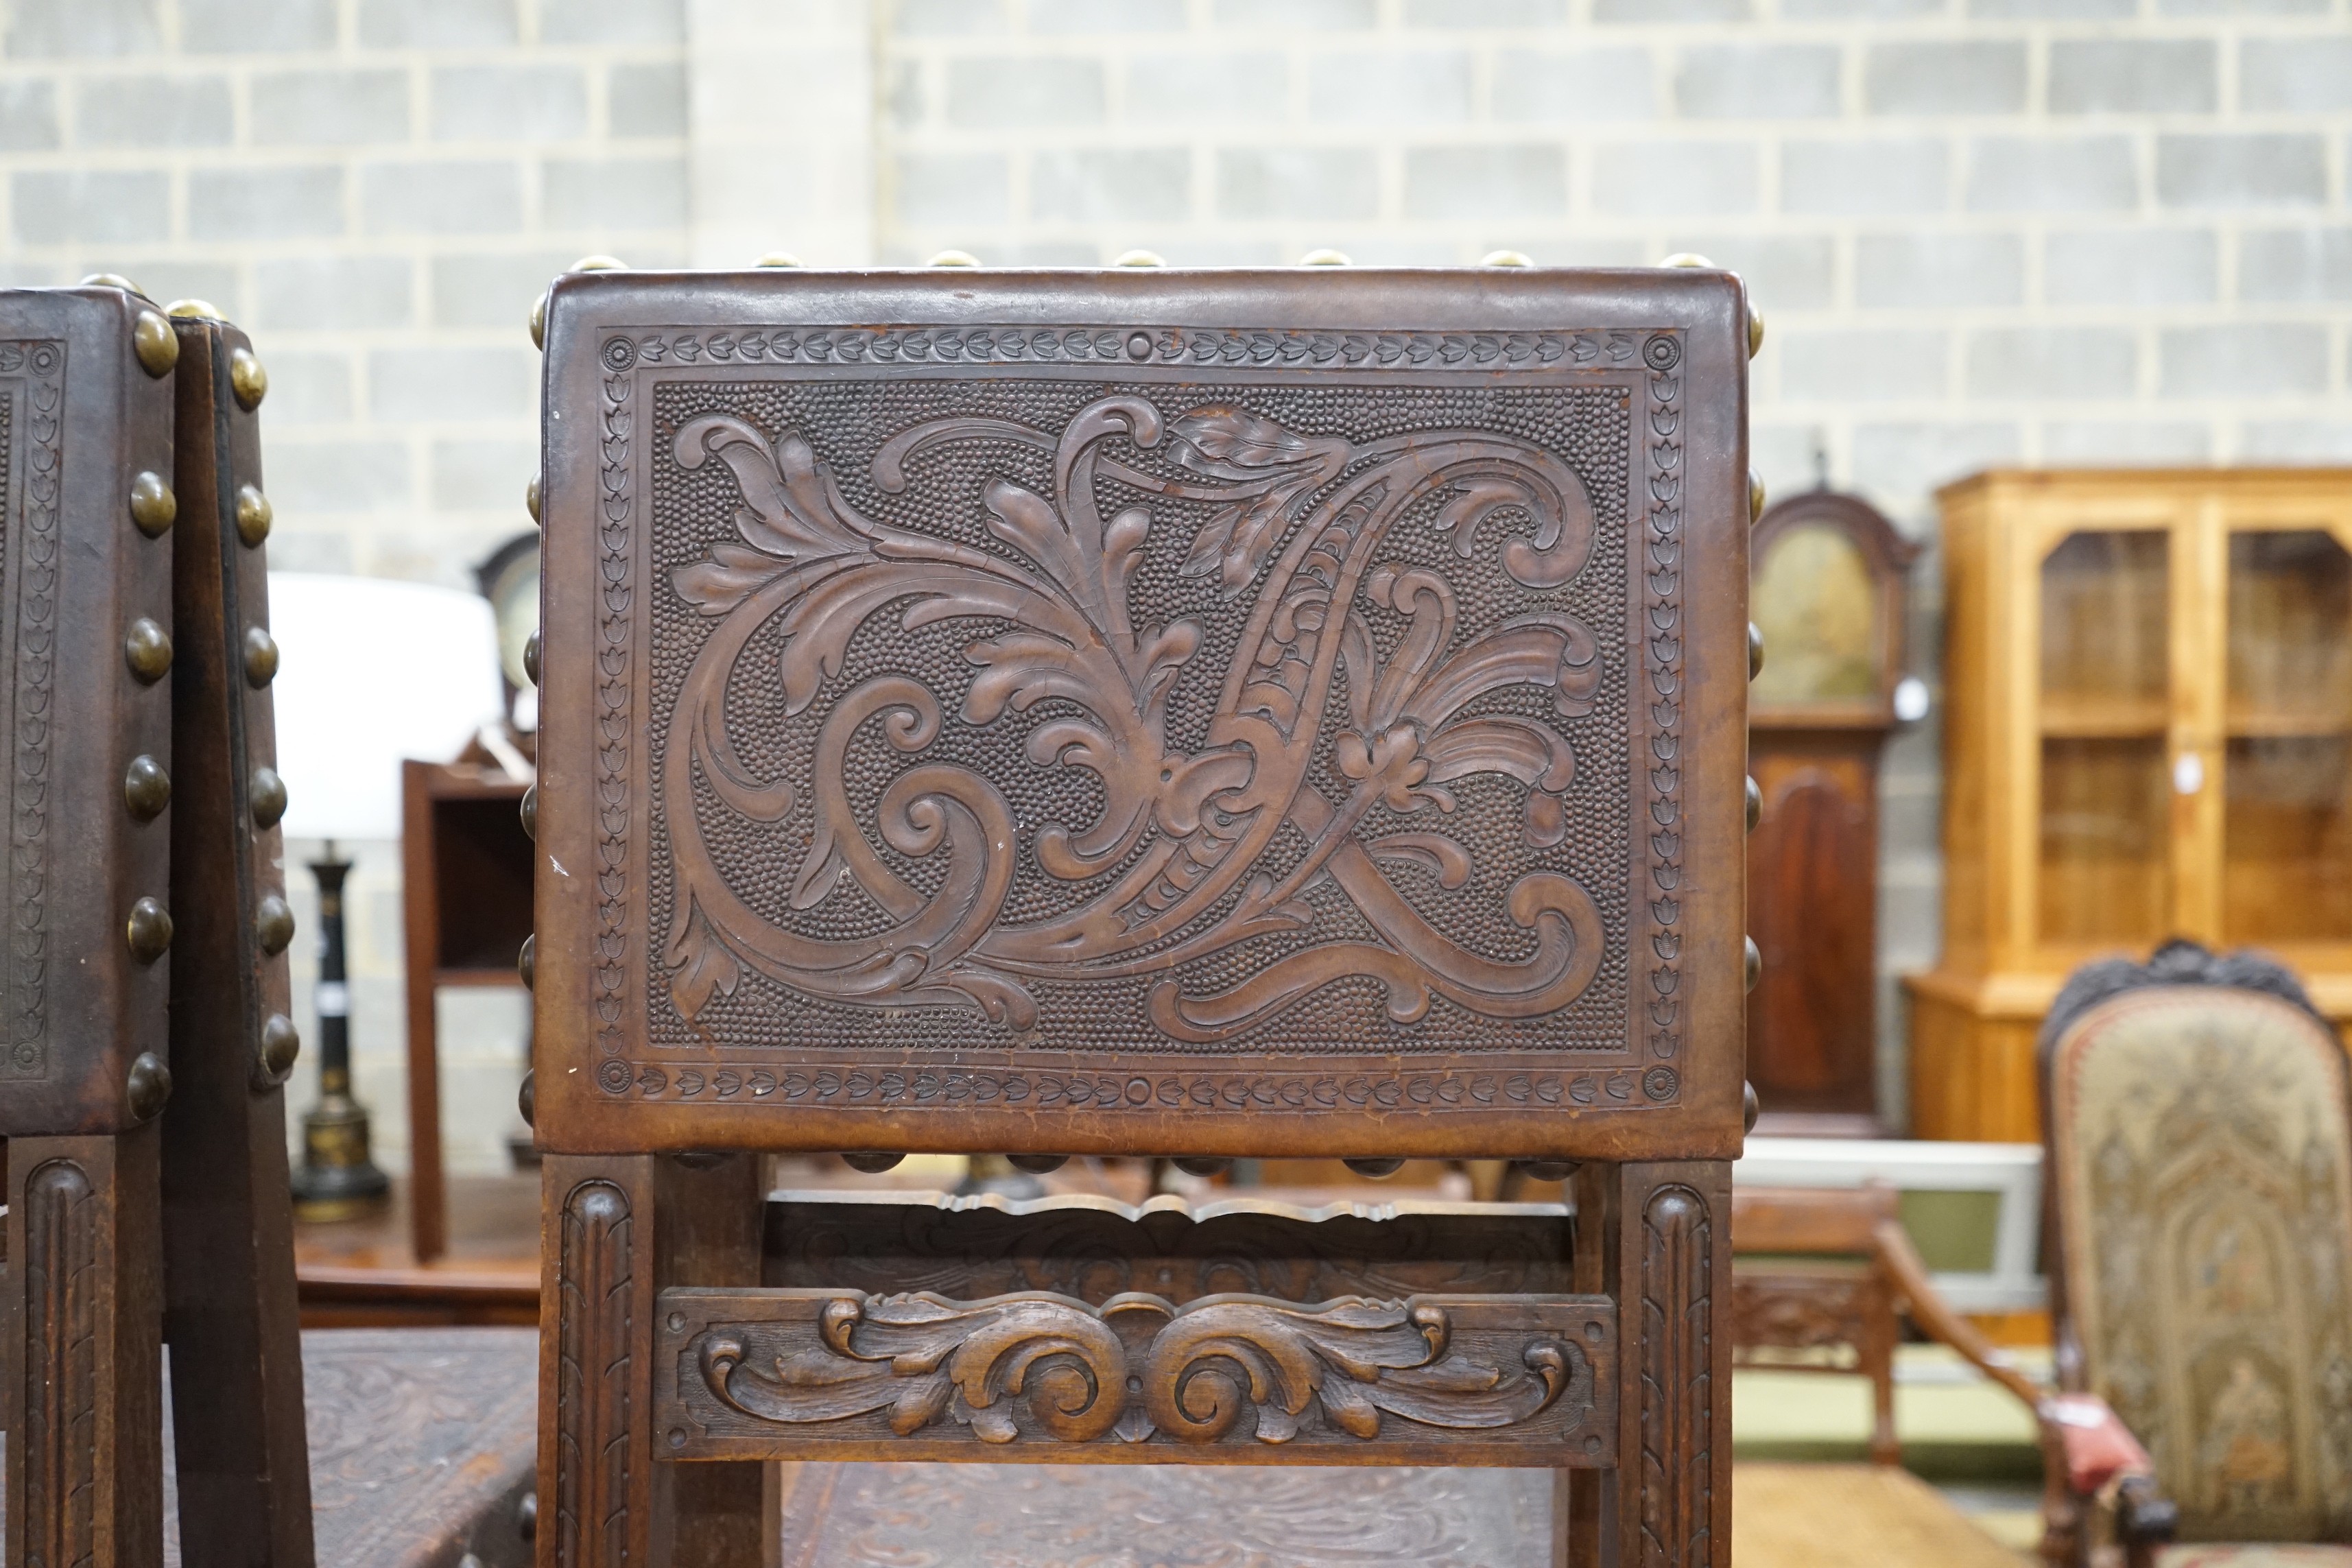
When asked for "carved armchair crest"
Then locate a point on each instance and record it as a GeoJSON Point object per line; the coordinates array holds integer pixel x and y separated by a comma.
{"type": "Point", "coordinates": [1195, 714]}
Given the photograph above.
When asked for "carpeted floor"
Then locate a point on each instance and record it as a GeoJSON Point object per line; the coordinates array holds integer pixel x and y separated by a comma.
{"type": "Point", "coordinates": [1851, 1516]}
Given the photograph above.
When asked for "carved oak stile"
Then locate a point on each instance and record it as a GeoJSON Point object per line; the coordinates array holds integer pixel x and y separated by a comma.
{"type": "Point", "coordinates": [60, 1373]}
{"type": "Point", "coordinates": [1677, 1375]}
{"type": "Point", "coordinates": [593, 1418]}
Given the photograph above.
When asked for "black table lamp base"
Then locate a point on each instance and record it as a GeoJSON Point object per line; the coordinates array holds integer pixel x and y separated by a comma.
{"type": "Point", "coordinates": [337, 1179]}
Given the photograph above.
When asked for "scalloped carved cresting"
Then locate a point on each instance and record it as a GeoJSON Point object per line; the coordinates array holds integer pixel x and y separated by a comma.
{"type": "Point", "coordinates": [1197, 849]}
{"type": "Point", "coordinates": [1231, 1367]}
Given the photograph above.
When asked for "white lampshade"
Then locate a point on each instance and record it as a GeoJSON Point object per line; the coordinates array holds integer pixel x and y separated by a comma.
{"type": "Point", "coordinates": [373, 672]}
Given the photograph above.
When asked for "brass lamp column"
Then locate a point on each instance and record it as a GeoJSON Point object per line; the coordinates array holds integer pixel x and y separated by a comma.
{"type": "Point", "coordinates": [337, 1179]}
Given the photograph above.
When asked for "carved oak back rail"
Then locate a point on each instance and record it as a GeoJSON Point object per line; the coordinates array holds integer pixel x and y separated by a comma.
{"type": "Point", "coordinates": [1197, 714]}
{"type": "Point", "coordinates": [143, 962]}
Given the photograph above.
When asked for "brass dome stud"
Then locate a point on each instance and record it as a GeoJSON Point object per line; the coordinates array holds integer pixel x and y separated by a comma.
{"type": "Point", "coordinates": [529, 812]}
{"type": "Point", "coordinates": [266, 794]}
{"type": "Point", "coordinates": [1686, 258]}
{"type": "Point", "coordinates": [1324, 257]}
{"type": "Point", "coordinates": [281, 1043]}
{"type": "Point", "coordinates": [1375, 1169]}
{"type": "Point", "coordinates": [1754, 650]}
{"type": "Point", "coordinates": [147, 649]}
{"type": "Point", "coordinates": [152, 505]}
{"type": "Point", "coordinates": [527, 962]}
{"type": "Point", "coordinates": [531, 658]}
{"type": "Point", "coordinates": [146, 788]}
{"type": "Point", "coordinates": [1755, 331]}
{"type": "Point", "coordinates": [530, 494]}
{"type": "Point", "coordinates": [527, 1098]}
{"type": "Point", "coordinates": [871, 1162]}
{"type": "Point", "coordinates": [147, 1087]}
{"type": "Point", "coordinates": [155, 343]}
{"type": "Point", "coordinates": [777, 258]}
{"type": "Point", "coordinates": [953, 258]}
{"type": "Point", "coordinates": [1139, 257]}
{"type": "Point", "coordinates": [254, 516]}
{"type": "Point", "coordinates": [148, 931]}
{"type": "Point", "coordinates": [273, 925]}
{"type": "Point", "coordinates": [1037, 1165]}
{"type": "Point", "coordinates": [1753, 961]}
{"type": "Point", "coordinates": [1549, 1170]}
{"type": "Point", "coordinates": [110, 280]}
{"type": "Point", "coordinates": [1507, 258]}
{"type": "Point", "coordinates": [247, 379]}
{"type": "Point", "coordinates": [1755, 795]}
{"type": "Point", "coordinates": [194, 311]}
{"type": "Point", "coordinates": [1203, 1165]}
{"type": "Point", "coordinates": [260, 658]}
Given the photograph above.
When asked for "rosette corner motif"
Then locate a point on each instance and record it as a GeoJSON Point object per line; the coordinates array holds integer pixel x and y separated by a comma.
{"type": "Point", "coordinates": [1176, 865]}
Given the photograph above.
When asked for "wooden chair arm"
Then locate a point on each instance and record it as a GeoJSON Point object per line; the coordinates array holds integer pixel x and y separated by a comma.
{"type": "Point", "coordinates": [2087, 1453]}
{"type": "Point", "coordinates": [1933, 1313]}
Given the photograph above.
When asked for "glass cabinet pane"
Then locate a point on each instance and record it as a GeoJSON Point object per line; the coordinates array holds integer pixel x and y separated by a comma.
{"type": "Point", "coordinates": [2105, 872]}
{"type": "Point", "coordinates": [1818, 609]}
{"type": "Point", "coordinates": [2286, 869]}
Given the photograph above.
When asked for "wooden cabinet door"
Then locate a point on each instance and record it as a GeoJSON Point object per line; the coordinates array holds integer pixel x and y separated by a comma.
{"type": "Point", "coordinates": [2281, 691]}
{"type": "Point", "coordinates": [2104, 858]}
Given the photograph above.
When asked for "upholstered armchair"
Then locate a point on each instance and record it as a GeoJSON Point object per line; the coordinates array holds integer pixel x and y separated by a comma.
{"type": "Point", "coordinates": [2199, 1181]}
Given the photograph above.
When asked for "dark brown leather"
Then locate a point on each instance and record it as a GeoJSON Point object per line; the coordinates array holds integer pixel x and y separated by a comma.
{"type": "Point", "coordinates": [951, 740]}
{"type": "Point", "coordinates": [82, 419]}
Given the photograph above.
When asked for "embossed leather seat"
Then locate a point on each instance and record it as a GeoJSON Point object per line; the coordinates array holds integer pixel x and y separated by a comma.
{"type": "Point", "coordinates": [1204, 715]}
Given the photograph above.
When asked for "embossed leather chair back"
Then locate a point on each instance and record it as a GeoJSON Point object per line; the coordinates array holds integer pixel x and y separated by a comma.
{"type": "Point", "coordinates": [1140, 712]}
{"type": "Point", "coordinates": [144, 988]}
{"type": "Point", "coordinates": [2201, 1168]}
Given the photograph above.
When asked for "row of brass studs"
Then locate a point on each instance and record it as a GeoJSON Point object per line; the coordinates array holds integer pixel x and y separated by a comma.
{"type": "Point", "coordinates": [147, 650]}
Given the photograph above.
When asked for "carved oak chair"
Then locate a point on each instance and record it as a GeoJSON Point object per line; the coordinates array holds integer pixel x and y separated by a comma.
{"type": "Point", "coordinates": [1145, 713]}
{"type": "Point", "coordinates": [2198, 1141]}
{"type": "Point", "coordinates": [145, 962]}
{"type": "Point", "coordinates": [1812, 1290]}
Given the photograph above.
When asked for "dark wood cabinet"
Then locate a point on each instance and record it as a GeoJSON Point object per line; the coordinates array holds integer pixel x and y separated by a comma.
{"type": "Point", "coordinates": [466, 888]}
{"type": "Point", "coordinates": [1828, 595]}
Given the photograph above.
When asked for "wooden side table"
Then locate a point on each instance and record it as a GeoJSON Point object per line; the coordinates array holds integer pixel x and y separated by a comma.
{"type": "Point", "coordinates": [466, 866]}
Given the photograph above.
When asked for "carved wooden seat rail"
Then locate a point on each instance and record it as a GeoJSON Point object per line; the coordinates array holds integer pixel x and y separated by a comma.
{"type": "Point", "coordinates": [1149, 713]}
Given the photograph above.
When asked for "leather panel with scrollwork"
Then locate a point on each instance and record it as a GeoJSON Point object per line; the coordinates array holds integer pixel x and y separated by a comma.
{"type": "Point", "coordinates": [1211, 714]}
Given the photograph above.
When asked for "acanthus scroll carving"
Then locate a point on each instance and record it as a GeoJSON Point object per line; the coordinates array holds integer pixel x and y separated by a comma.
{"type": "Point", "coordinates": [1138, 1367]}
{"type": "Point", "coordinates": [1174, 854]}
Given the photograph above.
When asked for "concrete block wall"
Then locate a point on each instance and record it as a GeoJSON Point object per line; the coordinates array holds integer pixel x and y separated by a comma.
{"type": "Point", "coordinates": [1981, 231]}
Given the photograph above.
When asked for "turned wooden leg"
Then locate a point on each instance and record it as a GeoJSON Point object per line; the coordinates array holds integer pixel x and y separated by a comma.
{"type": "Point", "coordinates": [84, 1370]}
{"type": "Point", "coordinates": [1658, 1239]}
{"type": "Point", "coordinates": [614, 1231]}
